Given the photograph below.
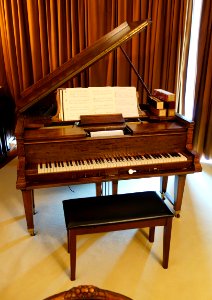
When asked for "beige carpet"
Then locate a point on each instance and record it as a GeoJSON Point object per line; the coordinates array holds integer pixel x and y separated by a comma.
{"type": "Point", "coordinates": [125, 262]}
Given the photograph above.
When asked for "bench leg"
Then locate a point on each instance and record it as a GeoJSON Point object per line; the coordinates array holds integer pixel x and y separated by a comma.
{"type": "Point", "coordinates": [68, 243]}
{"type": "Point", "coordinates": [72, 250]}
{"type": "Point", "coordinates": [166, 242]}
{"type": "Point", "coordinates": [151, 234]}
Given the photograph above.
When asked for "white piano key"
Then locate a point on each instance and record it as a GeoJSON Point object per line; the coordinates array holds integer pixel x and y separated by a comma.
{"type": "Point", "coordinates": [114, 161]}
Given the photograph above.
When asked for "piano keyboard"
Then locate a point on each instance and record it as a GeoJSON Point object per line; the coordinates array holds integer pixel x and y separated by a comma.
{"type": "Point", "coordinates": [105, 162]}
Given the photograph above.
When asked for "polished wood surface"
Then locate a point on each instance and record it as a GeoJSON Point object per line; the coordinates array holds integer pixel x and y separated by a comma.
{"type": "Point", "coordinates": [80, 62]}
{"type": "Point", "coordinates": [43, 140]}
{"type": "Point", "coordinates": [67, 144]}
{"type": "Point", "coordinates": [87, 292]}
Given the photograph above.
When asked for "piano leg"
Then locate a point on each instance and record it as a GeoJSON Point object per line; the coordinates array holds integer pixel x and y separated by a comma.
{"type": "Point", "coordinates": [28, 200]}
{"type": "Point", "coordinates": [98, 188]}
{"type": "Point", "coordinates": [179, 184]}
{"type": "Point", "coordinates": [163, 184]}
{"type": "Point", "coordinates": [115, 187]}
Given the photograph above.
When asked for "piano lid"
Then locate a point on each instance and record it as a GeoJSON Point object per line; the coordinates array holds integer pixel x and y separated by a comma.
{"type": "Point", "coordinates": [78, 63]}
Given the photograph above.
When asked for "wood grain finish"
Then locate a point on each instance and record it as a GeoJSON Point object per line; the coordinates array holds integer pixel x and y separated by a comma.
{"type": "Point", "coordinates": [43, 139]}
{"type": "Point", "coordinates": [73, 143]}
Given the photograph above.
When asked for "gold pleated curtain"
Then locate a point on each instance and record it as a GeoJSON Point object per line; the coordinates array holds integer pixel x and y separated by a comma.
{"type": "Point", "coordinates": [37, 36]}
{"type": "Point", "coordinates": [203, 89]}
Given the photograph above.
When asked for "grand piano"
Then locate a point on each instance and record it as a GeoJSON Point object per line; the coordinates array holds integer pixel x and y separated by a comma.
{"type": "Point", "coordinates": [53, 153]}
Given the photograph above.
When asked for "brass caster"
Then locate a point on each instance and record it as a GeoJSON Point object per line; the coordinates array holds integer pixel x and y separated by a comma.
{"type": "Point", "coordinates": [177, 214]}
{"type": "Point", "coordinates": [163, 196]}
{"type": "Point", "coordinates": [31, 232]}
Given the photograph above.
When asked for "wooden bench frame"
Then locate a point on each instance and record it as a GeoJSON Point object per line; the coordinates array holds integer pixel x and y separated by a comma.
{"type": "Point", "coordinates": [145, 221]}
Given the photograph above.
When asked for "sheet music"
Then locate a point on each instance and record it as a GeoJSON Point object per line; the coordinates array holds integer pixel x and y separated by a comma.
{"type": "Point", "coordinates": [103, 100]}
{"type": "Point", "coordinates": [126, 100]}
{"type": "Point", "coordinates": [76, 102]}
{"type": "Point", "coordinates": [98, 100]}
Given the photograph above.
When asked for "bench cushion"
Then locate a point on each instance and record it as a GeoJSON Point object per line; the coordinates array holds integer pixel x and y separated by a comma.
{"type": "Point", "coordinates": [111, 209]}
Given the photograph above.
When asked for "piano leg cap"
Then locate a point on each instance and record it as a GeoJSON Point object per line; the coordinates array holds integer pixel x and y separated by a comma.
{"type": "Point", "coordinates": [31, 231]}
{"type": "Point", "coordinates": [177, 214]}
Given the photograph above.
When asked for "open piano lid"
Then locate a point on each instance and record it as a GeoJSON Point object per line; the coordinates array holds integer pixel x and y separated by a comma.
{"type": "Point", "coordinates": [78, 63]}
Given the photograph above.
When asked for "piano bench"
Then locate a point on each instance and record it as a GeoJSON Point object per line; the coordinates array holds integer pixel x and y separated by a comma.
{"type": "Point", "coordinates": [116, 212]}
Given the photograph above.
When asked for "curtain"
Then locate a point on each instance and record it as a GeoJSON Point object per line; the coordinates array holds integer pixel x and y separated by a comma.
{"type": "Point", "coordinates": [40, 35]}
{"type": "Point", "coordinates": [184, 42]}
{"type": "Point", "coordinates": [203, 99]}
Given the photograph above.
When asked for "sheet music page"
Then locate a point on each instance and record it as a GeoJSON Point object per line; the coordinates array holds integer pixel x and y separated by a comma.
{"type": "Point", "coordinates": [60, 91]}
{"type": "Point", "coordinates": [76, 102]}
{"type": "Point", "coordinates": [103, 99]}
{"type": "Point", "coordinates": [126, 101]}
{"type": "Point", "coordinates": [98, 100]}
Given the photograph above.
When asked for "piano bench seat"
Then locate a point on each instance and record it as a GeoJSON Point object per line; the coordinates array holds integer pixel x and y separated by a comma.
{"type": "Point", "coordinates": [116, 212]}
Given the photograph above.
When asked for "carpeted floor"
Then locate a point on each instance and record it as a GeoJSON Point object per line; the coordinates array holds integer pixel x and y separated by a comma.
{"type": "Point", "coordinates": [125, 262]}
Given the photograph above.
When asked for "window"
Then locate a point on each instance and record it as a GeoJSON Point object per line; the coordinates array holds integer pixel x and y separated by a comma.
{"type": "Point", "coordinates": [192, 59]}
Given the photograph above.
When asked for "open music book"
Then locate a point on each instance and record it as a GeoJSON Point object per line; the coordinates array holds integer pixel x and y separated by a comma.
{"type": "Point", "coordinates": [75, 102]}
